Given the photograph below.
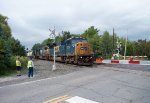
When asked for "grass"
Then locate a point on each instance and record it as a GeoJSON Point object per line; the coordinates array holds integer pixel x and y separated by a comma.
{"type": "Point", "coordinates": [7, 71]}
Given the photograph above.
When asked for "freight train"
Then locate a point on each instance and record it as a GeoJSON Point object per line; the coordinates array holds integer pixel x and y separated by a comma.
{"type": "Point", "coordinates": [74, 50]}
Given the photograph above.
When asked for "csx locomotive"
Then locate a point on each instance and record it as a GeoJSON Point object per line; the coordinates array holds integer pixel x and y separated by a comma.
{"type": "Point", "coordinates": [74, 50]}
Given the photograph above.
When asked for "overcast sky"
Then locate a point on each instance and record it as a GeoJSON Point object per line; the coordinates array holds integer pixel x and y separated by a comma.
{"type": "Point", "coordinates": [31, 19]}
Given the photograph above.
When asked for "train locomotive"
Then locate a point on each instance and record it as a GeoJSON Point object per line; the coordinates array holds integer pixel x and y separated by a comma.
{"type": "Point", "coordinates": [74, 50]}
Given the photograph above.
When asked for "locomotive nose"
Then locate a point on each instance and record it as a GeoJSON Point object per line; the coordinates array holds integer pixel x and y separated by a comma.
{"type": "Point", "coordinates": [83, 48]}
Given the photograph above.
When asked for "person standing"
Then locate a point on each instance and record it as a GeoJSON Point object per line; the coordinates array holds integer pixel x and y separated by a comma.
{"type": "Point", "coordinates": [18, 66]}
{"type": "Point", "coordinates": [30, 66]}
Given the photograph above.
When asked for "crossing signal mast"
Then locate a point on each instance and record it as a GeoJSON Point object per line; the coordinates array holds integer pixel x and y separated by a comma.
{"type": "Point", "coordinates": [118, 48]}
{"type": "Point", "coordinates": [53, 36]}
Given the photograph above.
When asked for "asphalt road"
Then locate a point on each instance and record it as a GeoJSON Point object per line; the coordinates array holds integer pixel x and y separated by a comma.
{"type": "Point", "coordinates": [139, 67]}
{"type": "Point", "coordinates": [100, 84]}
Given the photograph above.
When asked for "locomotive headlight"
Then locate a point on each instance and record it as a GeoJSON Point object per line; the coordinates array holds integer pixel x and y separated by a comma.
{"type": "Point", "coordinates": [80, 57]}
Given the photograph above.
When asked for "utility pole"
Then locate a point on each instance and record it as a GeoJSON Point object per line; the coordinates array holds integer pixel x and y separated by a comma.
{"type": "Point", "coordinates": [125, 48]}
{"type": "Point", "coordinates": [113, 40]}
{"type": "Point", "coordinates": [53, 35]}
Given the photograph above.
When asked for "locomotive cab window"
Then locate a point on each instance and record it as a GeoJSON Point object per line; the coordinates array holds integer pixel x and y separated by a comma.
{"type": "Point", "coordinates": [84, 48]}
{"type": "Point", "coordinates": [78, 40]}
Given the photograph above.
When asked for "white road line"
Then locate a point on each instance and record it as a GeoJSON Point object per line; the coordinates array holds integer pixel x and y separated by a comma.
{"type": "Point", "coordinates": [33, 81]}
{"type": "Point", "coordinates": [77, 99]}
{"type": "Point", "coordinates": [27, 82]}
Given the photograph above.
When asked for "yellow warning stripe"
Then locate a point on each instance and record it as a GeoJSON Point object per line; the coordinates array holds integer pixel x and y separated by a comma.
{"type": "Point", "coordinates": [58, 99]}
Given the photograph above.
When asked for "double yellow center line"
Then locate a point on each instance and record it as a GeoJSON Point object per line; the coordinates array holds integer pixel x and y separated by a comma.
{"type": "Point", "coordinates": [58, 99]}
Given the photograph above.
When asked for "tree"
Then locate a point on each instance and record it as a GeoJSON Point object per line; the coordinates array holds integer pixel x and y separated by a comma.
{"type": "Point", "coordinates": [142, 48]}
{"type": "Point", "coordinates": [36, 46]}
{"type": "Point", "coordinates": [91, 34]}
{"type": "Point", "coordinates": [5, 31]}
{"type": "Point", "coordinates": [5, 50]}
{"type": "Point", "coordinates": [2, 56]}
{"type": "Point", "coordinates": [66, 35]}
{"type": "Point", "coordinates": [130, 48]}
{"type": "Point", "coordinates": [8, 46]}
{"type": "Point", "coordinates": [148, 49]}
{"type": "Point", "coordinates": [107, 44]}
{"type": "Point", "coordinates": [16, 47]}
{"type": "Point", "coordinates": [47, 41]}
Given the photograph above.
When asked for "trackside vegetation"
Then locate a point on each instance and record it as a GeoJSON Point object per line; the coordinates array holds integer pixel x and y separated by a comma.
{"type": "Point", "coordinates": [9, 49]}
{"type": "Point", "coordinates": [102, 44]}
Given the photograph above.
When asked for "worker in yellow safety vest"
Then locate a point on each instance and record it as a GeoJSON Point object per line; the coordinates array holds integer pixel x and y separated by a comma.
{"type": "Point", "coordinates": [18, 66]}
{"type": "Point", "coordinates": [30, 66]}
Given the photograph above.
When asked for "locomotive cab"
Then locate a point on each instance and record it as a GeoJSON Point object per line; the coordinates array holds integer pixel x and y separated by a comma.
{"type": "Point", "coordinates": [78, 51]}
{"type": "Point", "coordinates": [84, 54]}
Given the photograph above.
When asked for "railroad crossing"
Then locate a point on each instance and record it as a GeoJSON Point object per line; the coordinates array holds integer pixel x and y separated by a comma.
{"type": "Point", "coordinates": [97, 84]}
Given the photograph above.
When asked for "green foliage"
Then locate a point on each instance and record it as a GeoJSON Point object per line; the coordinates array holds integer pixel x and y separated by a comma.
{"type": "Point", "coordinates": [141, 48]}
{"type": "Point", "coordinates": [5, 31]}
{"type": "Point", "coordinates": [103, 44]}
{"type": "Point", "coordinates": [75, 35]}
{"type": "Point", "coordinates": [23, 61]}
{"type": "Point", "coordinates": [7, 54]}
{"type": "Point", "coordinates": [8, 47]}
{"type": "Point", "coordinates": [66, 35]}
{"type": "Point", "coordinates": [148, 49]}
{"type": "Point", "coordinates": [90, 32]}
{"type": "Point", "coordinates": [107, 44]}
{"type": "Point", "coordinates": [13, 62]}
{"type": "Point", "coordinates": [36, 46]}
{"type": "Point", "coordinates": [130, 49]}
{"type": "Point", "coordinates": [47, 41]}
{"type": "Point", "coordinates": [95, 40]}
{"type": "Point", "coordinates": [5, 51]}
{"type": "Point", "coordinates": [6, 71]}
{"type": "Point", "coordinates": [16, 47]}
{"type": "Point", "coordinates": [12, 69]}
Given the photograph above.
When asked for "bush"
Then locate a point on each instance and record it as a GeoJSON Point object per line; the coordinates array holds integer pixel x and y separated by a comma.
{"type": "Point", "coordinates": [13, 62]}
{"type": "Point", "coordinates": [4, 70]}
{"type": "Point", "coordinates": [22, 59]}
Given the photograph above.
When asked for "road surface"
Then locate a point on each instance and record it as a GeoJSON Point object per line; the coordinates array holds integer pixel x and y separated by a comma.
{"type": "Point", "coordinates": [93, 85]}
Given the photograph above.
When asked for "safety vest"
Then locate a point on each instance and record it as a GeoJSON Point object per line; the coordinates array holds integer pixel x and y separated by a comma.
{"type": "Point", "coordinates": [18, 63]}
{"type": "Point", "coordinates": [30, 64]}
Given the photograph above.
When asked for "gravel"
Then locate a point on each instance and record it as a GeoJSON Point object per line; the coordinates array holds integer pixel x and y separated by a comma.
{"type": "Point", "coordinates": [42, 69]}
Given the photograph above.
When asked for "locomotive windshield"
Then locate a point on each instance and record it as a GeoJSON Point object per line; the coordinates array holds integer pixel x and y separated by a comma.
{"type": "Point", "coordinates": [78, 40]}
{"type": "Point", "coordinates": [73, 41]}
